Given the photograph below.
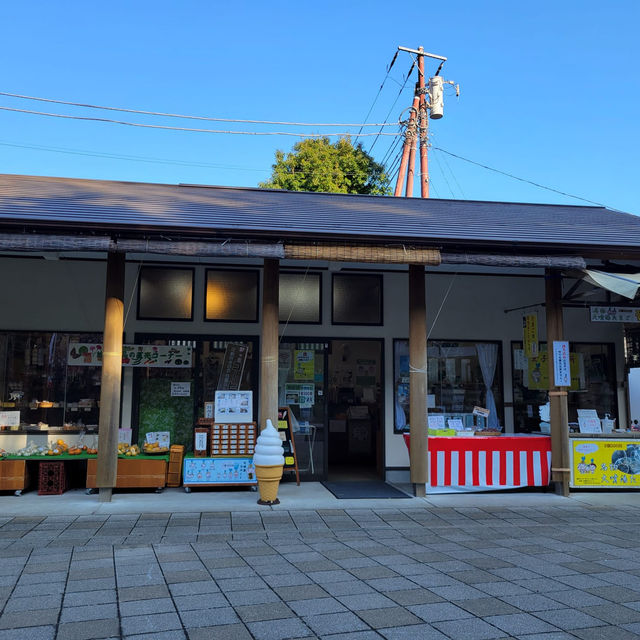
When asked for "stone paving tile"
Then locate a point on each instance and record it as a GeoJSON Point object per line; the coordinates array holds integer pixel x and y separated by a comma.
{"type": "Point", "coordinates": [316, 606]}
{"type": "Point", "coordinates": [330, 623]}
{"type": "Point", "coordinates": [89, 612]}
{"type": "Point", "coordinates": [569, 619]}
{"type": "Point", "coordinates": [175, 634]}
{"type": "Point", "coordinates": [221, 632]}
{"type": "Point", "coordinates": [143, 593]}
{"type": "Point", "coordinates": [258, 612]}
{"type": "Point", "coordinates": [146, 607]}
{"type": "Point", "coordinates": [413, 632]}
{"type": "Point", "coordinates": [209, 617]}
{"type": "Point", "coordinates": [193, 588]}
{"type": "Point", "coordinates": [605, 633]}
{"type": "Point", "coordinates": [290, 628]}
{"type": "Point", "coordinates": [439, 611]}
{"type": "Point", "coordinates": [31, 604]}
{"type": "Point", "coordinates": [388, 617]}
{"type": "Point", "coordinates": [520, 623]}
{"type": "Point", "coordinates": [154, 623]}
{"type": "Point", "coordinates": [35, 633]}
{"type": "Point", "coordinates": [91, 630]}
{"type": "Point", "coordinates": [482, 607]}
{"type": "Point", "coordinates": [17, 619]}
{"type": "Point", "coordinates": [613, 613]}
{"type": "Point", "coordinates": [469, 629]}
{"type": "Point", "coordinates": [259, 596]}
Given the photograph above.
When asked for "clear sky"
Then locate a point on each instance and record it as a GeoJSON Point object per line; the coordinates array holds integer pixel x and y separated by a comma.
{"type": "Point", "coordinates": [550, 89]}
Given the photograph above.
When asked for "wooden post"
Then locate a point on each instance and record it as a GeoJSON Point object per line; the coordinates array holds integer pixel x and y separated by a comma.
{"type": "Point", "coordinates": [559, 413]}
{"type": "Point", "coordinates": [109, 420]}
{"type": "Point", "coordinates": [269, 344]}
{"type": "Point", "coordinates": [418, 379]}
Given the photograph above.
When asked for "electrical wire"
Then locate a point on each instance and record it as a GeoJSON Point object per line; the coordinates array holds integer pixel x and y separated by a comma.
{"type": "Point", "coordinates": [188, 117]}
{"type": "Point", "coordinates": [373, 144]}
{"type": "Point", "coordinates": [510, 175]}
{"type": "Point", "coordinates": [373, 104]}
{"type": "Point", "coordinates": [159, 126]}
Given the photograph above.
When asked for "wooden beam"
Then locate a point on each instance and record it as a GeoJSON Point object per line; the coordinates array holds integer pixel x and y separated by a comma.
{"type": "Point", "coordinates": [109, 421]}
{"type": "Point", "coordinates": [418, 378]}
{"type": "Point", "coordinates": [559, 412]}
{"type": "Point", "coordinates": [269, 344]}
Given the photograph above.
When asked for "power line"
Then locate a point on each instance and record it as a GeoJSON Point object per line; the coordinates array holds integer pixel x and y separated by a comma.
{"type": "Point", "coordinates": [188, 117]}
{"type": "Point", "coordinates": [159, 126]}
{"type": "Point", "coordinates": [510, 175]}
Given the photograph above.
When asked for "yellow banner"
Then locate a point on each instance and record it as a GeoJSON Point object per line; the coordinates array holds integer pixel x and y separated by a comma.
{"type": "Point", "coordinates": [538, 373]}
{"type": "Point", "coordinates": [606, 463]}
{"type": "Point", "coordinates": [530, 335]}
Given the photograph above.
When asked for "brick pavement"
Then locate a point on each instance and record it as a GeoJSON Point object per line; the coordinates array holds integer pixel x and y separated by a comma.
{"type": "Point", "coordinates": [552, 572]}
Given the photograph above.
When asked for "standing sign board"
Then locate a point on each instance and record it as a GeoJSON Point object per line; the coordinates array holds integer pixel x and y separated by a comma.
{"type": "Point", "coordinates": [285, 431]}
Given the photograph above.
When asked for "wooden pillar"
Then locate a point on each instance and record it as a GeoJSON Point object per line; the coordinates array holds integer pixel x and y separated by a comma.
{"type": "Point", "coordinates": [109, 421]}
{"type": "Point", "coordinates": [269, 344]}
{"type": "Point", "coordinates": [418, 378]}
{"type": "Point", "coordinates": [559, 414]}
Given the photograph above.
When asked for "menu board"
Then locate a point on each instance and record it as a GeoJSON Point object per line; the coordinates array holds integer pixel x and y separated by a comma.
{"type": "Point", "coordinates": [204, 471]}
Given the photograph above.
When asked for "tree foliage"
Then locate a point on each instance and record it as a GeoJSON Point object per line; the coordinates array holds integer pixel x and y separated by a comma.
{"type": "Point", "coordinates": [315, 164]}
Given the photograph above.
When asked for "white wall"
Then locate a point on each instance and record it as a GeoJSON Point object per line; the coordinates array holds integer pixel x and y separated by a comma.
{"type": "Point", "coordinates": [69, 296]}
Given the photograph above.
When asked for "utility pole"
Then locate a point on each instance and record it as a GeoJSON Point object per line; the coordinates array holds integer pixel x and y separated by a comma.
{"type": "Point", "coordinates": [427, 102]}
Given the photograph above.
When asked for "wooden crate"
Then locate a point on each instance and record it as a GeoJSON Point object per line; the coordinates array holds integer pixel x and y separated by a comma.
{"type": "Point", "coordinates": [132, 473]}
{"type": "Point", "coordinates": [174, 470]}
{"type": "Point", "coordinates": [14, 475]}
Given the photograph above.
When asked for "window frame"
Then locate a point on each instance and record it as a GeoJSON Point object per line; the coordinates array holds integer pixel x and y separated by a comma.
{"type": "Point", "coordinates": [139, 316]}
{"type": "Point", "coordinates": [255, 272]}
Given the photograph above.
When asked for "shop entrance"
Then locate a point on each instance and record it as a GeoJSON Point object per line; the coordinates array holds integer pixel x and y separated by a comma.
{"type": "Point", "coordinates": [355, 436]}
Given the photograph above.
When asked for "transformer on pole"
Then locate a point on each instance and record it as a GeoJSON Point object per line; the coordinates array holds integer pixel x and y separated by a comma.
{"type": "Point", "coordinates": [428, 102]}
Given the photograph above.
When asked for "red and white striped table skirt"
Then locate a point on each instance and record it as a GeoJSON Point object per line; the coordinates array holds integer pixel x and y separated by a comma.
{"type": "Point", "coordinates": [480, 463]}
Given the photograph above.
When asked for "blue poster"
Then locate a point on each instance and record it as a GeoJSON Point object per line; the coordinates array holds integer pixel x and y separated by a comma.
{"type": "Point", "coordinates": [218, 471]}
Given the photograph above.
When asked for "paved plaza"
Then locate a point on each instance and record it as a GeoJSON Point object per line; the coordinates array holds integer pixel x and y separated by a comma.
{"type": "Point", "coordinates": [524, 567]}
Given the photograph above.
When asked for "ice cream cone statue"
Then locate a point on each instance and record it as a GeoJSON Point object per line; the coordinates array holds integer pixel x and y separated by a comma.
{"type": "Point", "coordinates": [269, 461]}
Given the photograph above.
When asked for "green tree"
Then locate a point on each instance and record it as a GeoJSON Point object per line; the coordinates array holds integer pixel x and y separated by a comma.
{"type": "Point", "coordinates": [315, 164]}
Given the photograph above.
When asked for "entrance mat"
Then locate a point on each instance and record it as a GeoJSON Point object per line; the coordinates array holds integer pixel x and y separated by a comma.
{"type": "Point", "coordinates": [362, 490]}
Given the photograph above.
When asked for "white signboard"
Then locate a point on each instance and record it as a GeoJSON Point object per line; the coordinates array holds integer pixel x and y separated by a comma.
{"type": "Point", "coordinates": [10, 418]}
{"type": "Point", "coordinates": [589, 425]}
{"type": "Point", "coordinates": [180, 389]}
{"type": "Point", "coordinates": [561, 364]}
{"type": "Point", "coordinates": [615, 314]}
{"type": "Point", "coordinates": [436, 422]}
{"type": "Point", "coordinates": [234, 406]}
{"type": "Point", "coordinates": [455, 423]}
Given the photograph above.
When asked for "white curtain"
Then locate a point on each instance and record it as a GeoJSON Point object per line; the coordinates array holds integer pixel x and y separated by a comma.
{"type": "Point", "coordinates": [488, 358]}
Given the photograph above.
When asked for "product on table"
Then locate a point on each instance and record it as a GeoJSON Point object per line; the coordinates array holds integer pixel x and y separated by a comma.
{"type": "Point", "coordinates": [269, 462]}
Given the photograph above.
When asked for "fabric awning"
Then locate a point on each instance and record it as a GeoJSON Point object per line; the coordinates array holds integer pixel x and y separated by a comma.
{"type": "Point", "coordinates": [624, 284]}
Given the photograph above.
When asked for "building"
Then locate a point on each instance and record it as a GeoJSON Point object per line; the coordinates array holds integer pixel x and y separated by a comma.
{"type": "Point", "coordinates": [193, 261]}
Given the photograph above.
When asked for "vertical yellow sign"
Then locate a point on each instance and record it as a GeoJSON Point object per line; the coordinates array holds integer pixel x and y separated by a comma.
{"type": "Point", "coordinates": [530, 335]}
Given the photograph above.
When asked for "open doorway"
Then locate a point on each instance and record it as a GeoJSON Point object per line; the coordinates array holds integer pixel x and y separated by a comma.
{"type": "Point", "coordinates": [355, 411]}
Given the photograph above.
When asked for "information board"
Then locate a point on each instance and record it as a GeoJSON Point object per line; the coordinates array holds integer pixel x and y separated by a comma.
{"type": "Point", "coordinates": [222, 471]}
{"type": "Point", "coordinates": [605, 463]}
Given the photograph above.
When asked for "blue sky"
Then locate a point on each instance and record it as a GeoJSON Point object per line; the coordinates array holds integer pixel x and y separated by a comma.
{"type": "Point", "coordinates": [550, 90]}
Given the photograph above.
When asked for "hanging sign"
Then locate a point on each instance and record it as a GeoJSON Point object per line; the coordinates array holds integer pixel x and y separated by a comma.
{"type": "Point", "coordinates": [615, 314]}
{"type": "Point", "coordinates": [530, 335]}
{"type": "Point", "coordinates": [133, 355]}
{"type": "Point", "coordinates": [561, 364]}
{"type": "Point", "coordinates": [235, 357]}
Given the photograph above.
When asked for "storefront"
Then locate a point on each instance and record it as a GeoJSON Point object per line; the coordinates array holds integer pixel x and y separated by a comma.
{"type": "Point", "coordinates": [343, 341]}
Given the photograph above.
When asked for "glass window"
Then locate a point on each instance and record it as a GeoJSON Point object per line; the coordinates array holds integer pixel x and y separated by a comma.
{"type": "Point", "coordinates": [357, 299]}
{"type": "Point", "coordinates": [38, 381]}
{"type": "Point", "coordinates": [232, 296]}
{"type": "Point", "coordinates": [165, 294]}
{"type": "Point", "coordinates": [300, 295]}
{"type": "Point", "coordinates": [461, 375]}
{"type": "Point", "coordinates": [593, 383]}
{"type": "Point", "coordinates": [218, 364]}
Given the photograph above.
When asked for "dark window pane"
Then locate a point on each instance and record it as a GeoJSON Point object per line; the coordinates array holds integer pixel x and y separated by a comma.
{"type": "Point", "coordinates": [300, 297]}
{"type": "Point", "coordinates": [166, 294]}
{"type": "Point", "coordinates": [232, 296]}
{"type": "Point", "coordinates": [357, 299]}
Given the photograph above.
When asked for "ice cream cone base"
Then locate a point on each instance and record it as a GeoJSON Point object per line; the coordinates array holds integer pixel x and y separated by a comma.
{"type": "Point", "coordinates": [268, 482]}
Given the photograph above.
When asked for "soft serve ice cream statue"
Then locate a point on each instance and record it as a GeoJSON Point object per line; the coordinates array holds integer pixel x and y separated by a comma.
{"type": "Point", "coordinates": [268, 460]}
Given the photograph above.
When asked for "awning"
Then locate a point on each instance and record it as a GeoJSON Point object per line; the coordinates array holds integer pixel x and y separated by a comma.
{"type": "Point", "coordinates": [624, 284]}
